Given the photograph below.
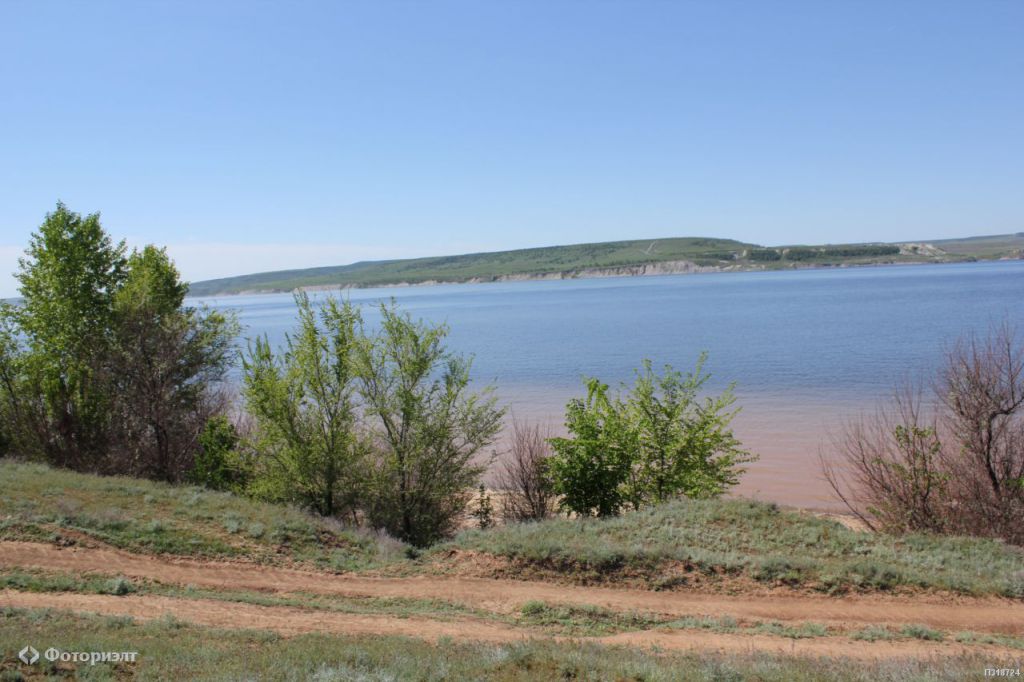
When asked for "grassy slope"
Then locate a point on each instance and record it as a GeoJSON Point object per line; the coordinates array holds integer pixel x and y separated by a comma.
{"type": "Point", "coordinates": [731, 536]}
{"type": "Point", "coordinates": [569, 259]}
{"type": "Point", "coordinates": [700, 541]}
{"type": "Point", "coordinates": [40, 503]}
{"type": "Point", "coordinates": [678, 544]}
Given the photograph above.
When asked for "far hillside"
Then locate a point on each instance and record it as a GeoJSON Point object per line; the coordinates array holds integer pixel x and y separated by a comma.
{"type": "Point", "coordinates": [633, 257]}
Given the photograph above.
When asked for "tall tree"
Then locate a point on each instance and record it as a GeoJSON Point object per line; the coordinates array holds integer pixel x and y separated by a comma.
{"type": "Point", "coordinates": [68, 278]}
{"type": "Point", "coordinates": [427, 424]}
{"type": "Point", "coordinates": [304, 403]}
{"type": "Point", "coordinates": [168, 362]}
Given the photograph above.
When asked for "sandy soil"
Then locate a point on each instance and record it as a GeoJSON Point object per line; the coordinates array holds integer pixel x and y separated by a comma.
{"type": "Point", "coordinates": [503, 596]}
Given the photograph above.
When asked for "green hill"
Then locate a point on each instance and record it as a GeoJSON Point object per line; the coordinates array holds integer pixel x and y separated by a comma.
{"type": "Point", "coordinates": [677, 254]}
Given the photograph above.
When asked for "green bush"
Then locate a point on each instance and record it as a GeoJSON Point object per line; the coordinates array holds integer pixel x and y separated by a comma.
{"type": "Point", "coordinates": [659, 441]}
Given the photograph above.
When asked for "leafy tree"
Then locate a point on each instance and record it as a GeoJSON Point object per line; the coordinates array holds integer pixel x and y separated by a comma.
{"type": "Point", "coordinates": [59, 389]}
{"type": "Point", "coordinates": [590, 468]}
{"type": "Point", "coordinates": [685, 444]}
{"type": "Point", "coordinates": [304, 404]}
{"type": "Point", "coordinates": [427, 426]}
{"type": "Point", "coordinates": [167, 365]}
{"type": "Point", "coordinates": [660, 441]}
{"type": "Point", "coordinates": [103, 368]}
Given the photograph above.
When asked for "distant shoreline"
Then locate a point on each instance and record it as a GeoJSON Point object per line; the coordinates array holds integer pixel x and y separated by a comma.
{"type": "Point", "coordinates": [646, 270]}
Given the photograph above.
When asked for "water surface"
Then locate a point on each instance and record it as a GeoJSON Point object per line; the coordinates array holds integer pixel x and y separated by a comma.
{"type": "Point", "coordinates": [805, 348]}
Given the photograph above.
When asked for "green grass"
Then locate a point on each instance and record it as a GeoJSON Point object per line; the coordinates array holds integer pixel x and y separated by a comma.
{"type": "Point", "coordinates": [684, 543]}
{"type": "Point", "coordinates": [584, 620]}
{"type": "Point", "coordinates": [44, 504]}
{"type": "Point", "coordinates": [718, 540]}
{"type": "Point", "coordinates": [573, 259]}
{"type": "Point", "coordinates": [169, 649]}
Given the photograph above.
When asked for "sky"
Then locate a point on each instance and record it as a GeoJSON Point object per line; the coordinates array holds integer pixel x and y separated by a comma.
{"type": "Point", "coordinates": [253, 136]}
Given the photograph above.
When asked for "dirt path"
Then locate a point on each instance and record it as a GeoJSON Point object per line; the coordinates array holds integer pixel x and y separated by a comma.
{"type": "Point", "coordinates": [294, 621]}
{"type": "Point", "coordinates": [505, 596]}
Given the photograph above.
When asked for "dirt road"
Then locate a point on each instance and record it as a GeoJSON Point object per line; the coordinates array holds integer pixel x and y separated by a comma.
{"type": "Point", "coordinates": [501, 596]}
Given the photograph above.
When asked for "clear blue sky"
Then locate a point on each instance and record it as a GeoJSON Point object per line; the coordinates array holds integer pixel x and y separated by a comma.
{"type": "Point", "coordinates": [251, 136]}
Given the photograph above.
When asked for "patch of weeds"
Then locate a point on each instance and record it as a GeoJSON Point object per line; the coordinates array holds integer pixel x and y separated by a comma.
{"type": "Point", "coordinates": [802, 631]}
{"type": "Point", "coordinates": [874, 575]}
{"type": "Point", "coordinates": [723, 624]}
{"type": "Point", "coordinates": [779, 569]}
{"type": "Point", "coordinates": [583, 620]}
{"type": "Point", "coordinates": [873, 633]}
{"type": "Point", "coordinates": [118, 586]}
{"type": "Point", "coordinates": [256, 530]}
{"type": "Point", "coordinates": [924, 632]}
{"type": "Point", "coordinates": [969, 637]}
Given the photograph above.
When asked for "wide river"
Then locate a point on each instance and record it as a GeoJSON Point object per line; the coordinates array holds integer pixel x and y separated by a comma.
{"type": "Point", "coordinates": [806, 349]}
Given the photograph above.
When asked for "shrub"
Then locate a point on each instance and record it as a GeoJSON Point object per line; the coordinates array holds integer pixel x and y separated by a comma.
{"type": "Point", "coordinates": [659, 441]}
{"type": "Point", "coordinates": [218, 464]}
{"type": "Point", "coordinates": [523, 475]}
{"type": "Point", "coordinates": [960, 470]}
{"type": "Point", "coordinates": [921, 632]}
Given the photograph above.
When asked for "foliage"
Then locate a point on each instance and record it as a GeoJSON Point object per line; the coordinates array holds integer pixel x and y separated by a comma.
{"type": "Point", "coordinates": [44, 504]}
{"type": "Point", "coordinates": [218, 464]}
{"type": "Point", "coordinates": [426, 425]}
{"type": "Point", "coordinates": [764, 255]}
{"type": "Point", "coordinates": [685, 445]}
{"type": "Point", "coordinates": [258, 655]}
{"type": "Point", "coordinates": [103, 368]}
{"type": "Point", "coordinates": [166, 366]}
{"type": "Point", "coordinates": [708, 542]}
{"type": "Point", "coordinates": [658, 442]}
{"type": "Point", "coordinates": [591, 467]}
{"type": "Point", "coordinates": [304, 405]}
{"type": "Point", "coordinates": [57, 402]}
{"type": "Point", "coordinates": [568, 259]}
{"type": "Point", "coordinates": [484, 512]}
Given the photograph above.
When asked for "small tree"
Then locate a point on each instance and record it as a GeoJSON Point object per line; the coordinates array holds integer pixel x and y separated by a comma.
{"type": "Point", "coordinates": [961, 469]}
{"type": "Point", "coordinates": [303, 402]}
{"type": "Point", "coordinates": [891, 474]}
{"type": "Point", "coordinates": [981, 392]}
{"type": "Point", "coordinates": [590, 468]}
{"type": "Point", "coordinates": [523, 475]}
{"type": "Point", "coordinates": [427, 426]}
{"type": "Point", "coordinates": [659, 442]}
{"type": "Point", "coordinates": [685, 445]}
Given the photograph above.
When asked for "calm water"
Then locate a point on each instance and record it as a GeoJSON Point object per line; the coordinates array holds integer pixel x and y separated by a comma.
{"type": "Point", "coordinates": [804, 348]}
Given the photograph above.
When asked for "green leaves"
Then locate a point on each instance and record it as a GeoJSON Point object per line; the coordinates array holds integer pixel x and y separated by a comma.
{"type": "Point", "coordinates": [103, 367]}
{"type": "Point", "coordinates": [657, 442]}
{"type": "Point", "coordinates": [303, 401]}
{"type": "Point", "coordinates": [427, 425]}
